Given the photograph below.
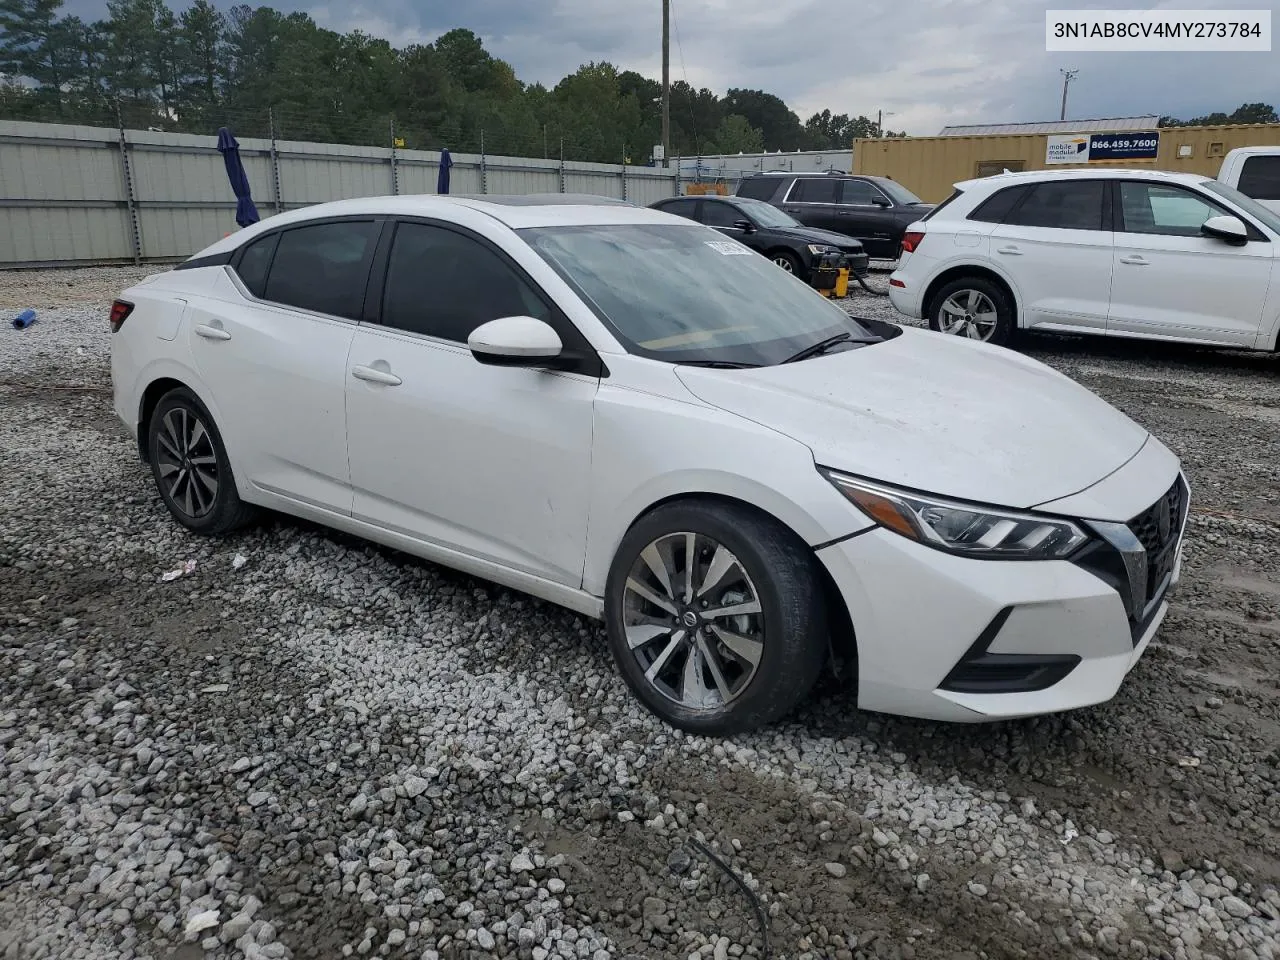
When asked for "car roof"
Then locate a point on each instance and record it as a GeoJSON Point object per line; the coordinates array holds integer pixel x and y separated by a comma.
{"type": "Point", "coordinates": [1079, 173]}
{"type": "Point", "coordinates": [516, 211]}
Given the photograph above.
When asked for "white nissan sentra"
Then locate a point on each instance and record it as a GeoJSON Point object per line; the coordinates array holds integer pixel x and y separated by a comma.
{"type": "Point", "coordinates": [626, 413]}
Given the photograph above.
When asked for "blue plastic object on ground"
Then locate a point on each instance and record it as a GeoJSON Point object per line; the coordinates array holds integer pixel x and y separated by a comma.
{"type": "Point", "coordinates": [25, 319]}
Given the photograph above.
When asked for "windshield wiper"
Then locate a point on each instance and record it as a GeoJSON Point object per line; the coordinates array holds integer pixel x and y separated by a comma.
{"type": "Point", "coordinates": [822, 346]}
{"type": "Point", "coordinates": [717, 364]}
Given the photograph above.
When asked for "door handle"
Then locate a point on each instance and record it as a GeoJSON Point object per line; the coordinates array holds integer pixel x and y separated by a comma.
{"type": "Point", "coordinates": [1009, 251]}
{"type": "Point", "coordinates": [1135, 261]}
{"type": "Point", "coordinates": [210, 333]}
{"type": "Point", "coordinates": [374, 375]}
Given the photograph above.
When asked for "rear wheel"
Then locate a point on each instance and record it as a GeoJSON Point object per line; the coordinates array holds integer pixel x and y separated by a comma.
{"type": "Point", "coordinates": [975, 308]}
{"type": "Point", "coordinates": [715, 616]}
{"type": "Point", "coordinates": [190, 466]}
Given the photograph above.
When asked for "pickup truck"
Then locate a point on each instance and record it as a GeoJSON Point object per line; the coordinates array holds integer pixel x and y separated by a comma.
{"type": "Point", "coordinates": [1255, 172]}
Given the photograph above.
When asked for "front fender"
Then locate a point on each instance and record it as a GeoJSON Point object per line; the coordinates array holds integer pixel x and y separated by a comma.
{"type": "Point", "coordinates": [649, 449]}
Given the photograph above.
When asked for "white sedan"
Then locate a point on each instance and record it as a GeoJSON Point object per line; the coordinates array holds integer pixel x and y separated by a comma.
{"type": "Point", "coordinates": [1121, 253]}
{"type": "Point", "coordinates": [617, 410]}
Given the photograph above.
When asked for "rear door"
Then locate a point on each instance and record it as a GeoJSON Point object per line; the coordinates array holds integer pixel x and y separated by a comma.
{"type": "Point", "coordinates": [1171, 281]}
{"type": "Point", "coordinates": [1056, 246]}
{"type": "Point", "coordinates": [815, 202]}
{"type": "Point", "coordinates": [273, 354]}
{"type": "Point", "coordinates": [866, 213]}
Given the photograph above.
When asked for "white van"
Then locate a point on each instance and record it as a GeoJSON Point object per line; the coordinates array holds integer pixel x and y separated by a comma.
{"type": "Point", "coordinates": [1255, 172]}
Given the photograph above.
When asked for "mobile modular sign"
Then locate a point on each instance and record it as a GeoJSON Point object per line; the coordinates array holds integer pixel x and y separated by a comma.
{"type": "Point", "coordinates": [1101, 147]}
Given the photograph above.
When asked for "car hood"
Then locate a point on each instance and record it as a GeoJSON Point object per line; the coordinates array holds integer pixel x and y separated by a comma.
{"type": "Point", "coordinates": [810, 235]}
{"type": "Point", "coordinates": [938, 414]}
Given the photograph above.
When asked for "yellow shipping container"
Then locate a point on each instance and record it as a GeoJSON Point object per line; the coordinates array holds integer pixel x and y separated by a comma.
{"type": "Point", "coordinates": [929, 166]}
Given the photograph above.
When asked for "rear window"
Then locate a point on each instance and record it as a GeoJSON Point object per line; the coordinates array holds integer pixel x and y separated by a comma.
{"type": "Point", "coordinates": [815, 190]}
{"type": "Point", "coordinates": [1260, 178]}
{"type": "Point", "coordinates": [759, 188]}
{"type": "Point", "coordinates": [1062, 205]}
{"type": "Point", "coordinates": [999, 205]}
{"type": "Point", "coordinates": [252, 268]}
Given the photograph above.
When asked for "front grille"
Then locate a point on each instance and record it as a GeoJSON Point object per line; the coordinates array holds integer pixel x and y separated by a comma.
{"type": "Point", "coordinates": [1158, 529]}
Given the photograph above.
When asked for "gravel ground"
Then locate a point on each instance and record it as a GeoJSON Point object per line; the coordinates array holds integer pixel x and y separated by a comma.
{"type": "Point", "coordinates": [328, 749]}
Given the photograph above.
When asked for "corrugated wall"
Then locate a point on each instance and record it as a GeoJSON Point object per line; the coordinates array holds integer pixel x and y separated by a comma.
{"type": "Point", "coordinates": [929, 166]}
{"type": "Point", "coordinates": [63, 195]}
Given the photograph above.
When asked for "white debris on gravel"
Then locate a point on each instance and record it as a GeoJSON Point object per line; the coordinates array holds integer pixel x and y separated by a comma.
{"type": "Point", "coordinates": [395, 760]}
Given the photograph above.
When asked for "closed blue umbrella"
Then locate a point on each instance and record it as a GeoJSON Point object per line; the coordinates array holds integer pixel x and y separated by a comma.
{"type": "Point", "coordinates": [442, 181]}
{"type": "Point", "coordinates": [229, 147]}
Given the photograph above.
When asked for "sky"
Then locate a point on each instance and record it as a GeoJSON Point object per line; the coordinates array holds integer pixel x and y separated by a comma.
{"type": "Point", "coordinates": [926, 63]}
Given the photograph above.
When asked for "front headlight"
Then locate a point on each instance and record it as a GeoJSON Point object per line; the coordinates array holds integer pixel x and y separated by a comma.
{"type": "Point", "coordinates": [966, 529]}
{"type": "Point", "coordinates": [818, 249]}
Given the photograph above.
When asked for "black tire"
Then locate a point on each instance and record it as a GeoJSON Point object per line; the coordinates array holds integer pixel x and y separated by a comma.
{"type": "Point", "coordinates": [182, 475]}
{"type": "Point", "coordinates": [791, 624]}
{"type": "Point", "coordinates": [788, 261]}
{"type": "Point", "coordinates": [1004, 329]}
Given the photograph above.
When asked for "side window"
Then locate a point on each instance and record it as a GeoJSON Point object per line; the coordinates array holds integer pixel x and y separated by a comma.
{"type": "Point", "coordinates": [859, 192]}
{"type": "Point", "coordinates": [1163, 209]}
{"type": "Point", "coordinates": [1260, 178]}
{"type": "Point", "coordinates": [254, 262]}
{"type": "Point", "coordinates": [998, 206]}
{"type": "Point", "coordinates": [1062, 204]}
{"type": "Point", "coordinates": [759, 188]}
{"type": "Point", "coordinates": [720, 214]}
{"type": "Point", "coordinates": [445, 284]}
{"type": "Point", "coordinates": [815, 190]}
{"type": "Point", "coordinates": [681, 208]}
{"type": "Point", "coordinates": [324, 267]}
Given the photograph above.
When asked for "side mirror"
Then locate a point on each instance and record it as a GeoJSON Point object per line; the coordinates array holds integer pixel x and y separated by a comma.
{"type": "Point", "coordinates": [1229, 229]}
{"type": "Point", "coordinates": [515, 342]}
{"type": "Point", "coordinates": [746, 226]}
{"type": "Point", "coordinates": [881, 201]}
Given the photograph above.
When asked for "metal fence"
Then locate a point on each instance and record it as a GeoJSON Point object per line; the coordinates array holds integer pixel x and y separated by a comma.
{"type": "Point", "coordinates": [76, 194]}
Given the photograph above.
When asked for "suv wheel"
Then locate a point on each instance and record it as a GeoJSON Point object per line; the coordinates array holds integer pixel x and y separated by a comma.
{"type": "Point", "coordinates": [787, 261]}
{"type": "Point", "coordinates": [973, 307]}
{"type": "Point", "coordinates": [715, 617]}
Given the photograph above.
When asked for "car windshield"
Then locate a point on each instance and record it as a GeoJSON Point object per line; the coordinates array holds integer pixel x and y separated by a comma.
{"type": "Point", "coordinates": [766, 215]}
{"type": "Point", "coordinates": [1245, 202]}
{"type": "Point", "coordinates": [897, 191]}
{"type": "Point", "coordinates": [686, 294]}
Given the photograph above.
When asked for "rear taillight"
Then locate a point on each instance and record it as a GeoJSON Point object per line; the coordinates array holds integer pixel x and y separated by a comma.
{"type": "Point", "coordinates": [911, 241]}
{"type": "Point", "coordinates": [120, 311]}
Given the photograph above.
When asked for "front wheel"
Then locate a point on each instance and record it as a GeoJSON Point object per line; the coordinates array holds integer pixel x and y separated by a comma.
{"type": "Point", "coordinates": [788, 262]}
{"type": "Point", "coordinates": [973, 307]}
{"type": "Point", "coordinates": [715, 617]}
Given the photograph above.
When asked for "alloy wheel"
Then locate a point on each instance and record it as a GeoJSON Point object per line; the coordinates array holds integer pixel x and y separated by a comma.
{"type": "Point", "coordinates": [785, 263]}
{"type": "Point", "coordinates": [693, 620]}
{"type": "Point", "coordinates": [968, 313]}
{"type": "Point", "coordinates": [187, 464]}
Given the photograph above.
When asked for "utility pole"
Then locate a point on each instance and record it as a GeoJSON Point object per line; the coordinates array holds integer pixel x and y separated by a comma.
{"type": "Point", "coordinates": [666, 81]}
{"type": "Point", "coordinates": [1067, 77]}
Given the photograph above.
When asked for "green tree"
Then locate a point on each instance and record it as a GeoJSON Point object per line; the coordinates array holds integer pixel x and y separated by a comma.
{"type": "Point", "coordinates": [736, 135]}
{"type": "Point", "coordinates": [1245, 113]}
{"type": "Point", "coordinates": [776, 122]}
{"type": "Point", "coordinates": [200, 53]}
{"type": "Point", "coordinates": [35, 43]}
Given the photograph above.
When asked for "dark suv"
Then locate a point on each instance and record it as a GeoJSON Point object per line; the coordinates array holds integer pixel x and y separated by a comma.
{"type": "Point", "coordinates": [875, 210]}
{"type": "Point", "coordinates": [767, 230]}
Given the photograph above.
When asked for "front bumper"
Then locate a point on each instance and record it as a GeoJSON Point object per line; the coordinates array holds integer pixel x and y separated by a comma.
{"type": "Point", "coordinates": [950, 638]}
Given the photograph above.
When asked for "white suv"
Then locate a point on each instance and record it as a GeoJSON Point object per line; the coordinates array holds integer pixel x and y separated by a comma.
{"type": "Point", "coordinates": [1124, 253]}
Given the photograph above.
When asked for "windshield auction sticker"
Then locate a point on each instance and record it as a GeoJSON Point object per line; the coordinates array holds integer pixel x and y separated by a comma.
{"type": "Point", "coordinates": [729, 248]}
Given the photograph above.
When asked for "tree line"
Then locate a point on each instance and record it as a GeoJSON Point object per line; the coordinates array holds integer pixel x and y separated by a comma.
{"type": "Point", "coordinates": [1245, 113]}
{"type": "Point", "coordinates": [254, 69]}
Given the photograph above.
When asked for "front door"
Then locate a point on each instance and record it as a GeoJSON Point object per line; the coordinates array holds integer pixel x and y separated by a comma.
{"type": "Point", "coordinates": [866, 213]}
{"type": "Point", "coordinates": [492, 461]}
{"type": "Point", "coordinates": [1056, 247]}
{"type": "Point", "coordinates": [1171, 281]}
